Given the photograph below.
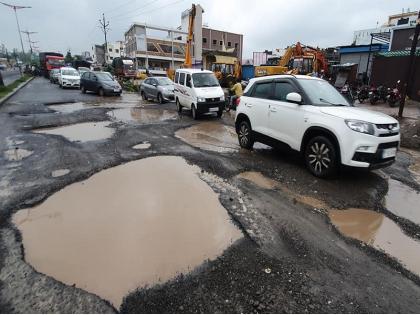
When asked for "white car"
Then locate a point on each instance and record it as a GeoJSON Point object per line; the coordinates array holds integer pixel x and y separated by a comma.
{"type": "Point", "coordinates": [68, 77]}
{"type": "Point", "coordinates": [310, 116]}
{"type": "Point", "coordinates": [199, 91]}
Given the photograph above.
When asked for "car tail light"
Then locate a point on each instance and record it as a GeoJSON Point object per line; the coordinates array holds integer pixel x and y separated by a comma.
{"type": "Point", "coordinates": [237, 101]}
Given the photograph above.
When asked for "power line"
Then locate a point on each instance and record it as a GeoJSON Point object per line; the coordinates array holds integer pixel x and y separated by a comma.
{"type": "Point", "coordinates": [123, 15]}
{"type": "Point", "coordinates": [29, 39]}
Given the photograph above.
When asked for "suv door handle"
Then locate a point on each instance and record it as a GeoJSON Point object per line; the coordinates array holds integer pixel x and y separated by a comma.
{"type": "Point", "coordinates": [272, 109]}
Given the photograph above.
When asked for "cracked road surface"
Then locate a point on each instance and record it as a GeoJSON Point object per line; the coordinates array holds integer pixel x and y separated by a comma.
{"type": "Point", "coordinates": [291, 258]}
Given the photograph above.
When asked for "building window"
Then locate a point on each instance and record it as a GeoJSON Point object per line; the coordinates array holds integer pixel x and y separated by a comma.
{"type": "Point", "coordinates": [110, 49]}
{"type": "Point", "coordinates": [214, 42]}
{"type": "Point", "coordinates": [236, 45]}
{"type": "Point", "coordinates": [117, 51]}
{"type": "Point", "coordinates": [229, 44]}
{"type": "Point", "coordinates": [112, 58]}
{"type": "Point", "coordinates": [221, 43]}
{"type": "Point", "coordinates": [204, 40]}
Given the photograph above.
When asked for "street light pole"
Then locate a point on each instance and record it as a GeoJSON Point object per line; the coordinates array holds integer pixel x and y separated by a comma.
{"type": "Point", "coordinates": [16, 7]}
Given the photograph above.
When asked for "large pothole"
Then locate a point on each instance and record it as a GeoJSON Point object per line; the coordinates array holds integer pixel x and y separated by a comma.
{"type": "Point", "coordinates": [141, 115]}
{"type": "Point", "coordinates": [82, 132]}
{"type": "Point", "coordinates": [133, 225]}
{"type": "Point", "coordinates": [370, 227]}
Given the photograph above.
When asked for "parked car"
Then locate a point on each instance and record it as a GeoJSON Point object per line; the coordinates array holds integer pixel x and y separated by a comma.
{"type": "Point", "coordinates": [310, 116]}
{"type": "Point", "coordinates": [158, 88]}
{"type": "Point", "coordinates": [82, 70]}
{"type": "Point", "coordinates": [199, 91]}
{"type": "Point", "coordinates": [99, 82]}
{"type": "Point", "coordinates": [54, 75]}
{"type": "Point", "coordinates": [68, 77]}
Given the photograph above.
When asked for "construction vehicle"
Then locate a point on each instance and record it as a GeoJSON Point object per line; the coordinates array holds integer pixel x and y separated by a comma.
{"type": "Point", "coordinates": [188, 48]}
{"type": "Point", "coordinates": [297, 59]}
{"type": "Point", "coordinates": [227, 73]}
{"type": "Point", "coordinates": [124, 67]}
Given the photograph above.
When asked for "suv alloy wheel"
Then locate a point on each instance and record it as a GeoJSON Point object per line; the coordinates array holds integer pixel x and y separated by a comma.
{"type": "Point", "coordinates": [194, 112]}
{"type": "Point", "coordinates": [178, 106]}
{"type": "Point", "coordinates": [245, 138]}
{"type": "Point", "coordinates": [321, 157]}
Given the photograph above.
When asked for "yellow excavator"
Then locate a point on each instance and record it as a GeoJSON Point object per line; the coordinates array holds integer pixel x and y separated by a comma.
{"type": "Point", "coordinates": [188, 57]}
{"type": "Point", "coordinates": [296, 60]}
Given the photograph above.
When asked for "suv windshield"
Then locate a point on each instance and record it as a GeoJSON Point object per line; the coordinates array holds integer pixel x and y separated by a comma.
{"type": "Point", "coordinates": [104, 76]}
{"type": "Point", "coordinates": [164, 81]}
{"type": "Point", "coordinates": [321, 93]}
{"type": "Point", "coordinates": [70, 72]}
{"type": "Point", "coordinates": [204, 80]}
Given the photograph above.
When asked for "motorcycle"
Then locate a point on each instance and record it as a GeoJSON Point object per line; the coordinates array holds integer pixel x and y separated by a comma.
{"type": "Point", "coordinates": [377, 94]}
{"type": "Point", "coordinates": [394, 96]}
{"type": "Point", "coordinates": [363, 94]}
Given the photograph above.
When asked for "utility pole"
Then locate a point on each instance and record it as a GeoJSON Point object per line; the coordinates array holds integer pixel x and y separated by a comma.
{"type": "Point", "coordinates": [29, 38]}
{"type": "Point", "coordinates": [409, 80]}
{"type": "Point", "coordinates": [104, 26]}
{"type": "Point", "coordinates": [16, 7]}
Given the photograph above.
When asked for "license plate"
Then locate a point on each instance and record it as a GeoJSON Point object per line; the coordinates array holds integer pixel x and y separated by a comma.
{"type": "Point", "coordinates": [116, 90]}
{"type": "Point", "coordinates": [387, 153]}
{"type": "Point", "coordinates": [214, 109]}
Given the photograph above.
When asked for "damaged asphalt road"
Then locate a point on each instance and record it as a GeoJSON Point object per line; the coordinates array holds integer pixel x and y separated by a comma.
{"type": "Point", "coordinates": [290, 259]}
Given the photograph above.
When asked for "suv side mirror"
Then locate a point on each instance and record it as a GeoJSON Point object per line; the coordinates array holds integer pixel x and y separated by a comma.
{"type": "Point", "coordinates": [294, 98]}
{"type": "Point", "coordinates": [154, 84]}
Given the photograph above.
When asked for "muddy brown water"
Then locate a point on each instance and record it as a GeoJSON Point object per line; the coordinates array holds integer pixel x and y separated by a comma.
{"type": "Point", "coordinates": [133, 225]}
{"type": "Point", "coordinates": [372, 228]}
{"type": "Point", "coordinates": [17, 154]}
{"type": "Point", "coordinates": [259, 179]}
{"type": "Point", "coordinates": [141, 115]}
{"type": "Point", "coordinates": [403, 201]}
{"type": "Point", "coordinates": [378, 231]}
{"type": "Point", "coordinates": [213, 136]}
{"type": "Point", "coordinates": [83, 132]}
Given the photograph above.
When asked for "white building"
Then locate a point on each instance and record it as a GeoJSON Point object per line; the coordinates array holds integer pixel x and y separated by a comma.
{"type": "Point", "coordinates": [363, 37]}
{"type": "Point", "coordinates": [116, 49]}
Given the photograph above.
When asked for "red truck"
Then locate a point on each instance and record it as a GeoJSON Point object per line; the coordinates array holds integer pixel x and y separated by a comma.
{"type": "Point", "coordinates": [49, 61]}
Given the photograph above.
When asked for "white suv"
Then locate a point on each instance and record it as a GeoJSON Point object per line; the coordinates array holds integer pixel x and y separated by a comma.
{"type": "Point", "coordinates": [309, 115]}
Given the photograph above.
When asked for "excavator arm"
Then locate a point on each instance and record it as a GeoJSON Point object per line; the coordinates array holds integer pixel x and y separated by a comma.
{"type": "Point", "coordinates": [188, 56]}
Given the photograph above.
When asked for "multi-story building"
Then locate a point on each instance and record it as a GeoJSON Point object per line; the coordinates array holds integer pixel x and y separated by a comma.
{"type": "Point", "coordinates": [116, 49]}
{"type": "Point", "coordinates": [154, 52]}
{"type": "Point", "coordinates": [160, 48]}
{"type": "Point", "coordinates": [98, 55]}
{"type": "Point", "coordinates": [363, 37]}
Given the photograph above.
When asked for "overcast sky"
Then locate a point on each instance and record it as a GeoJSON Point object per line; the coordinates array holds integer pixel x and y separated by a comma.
{"type": "Point", "coordinates": [265, 24]}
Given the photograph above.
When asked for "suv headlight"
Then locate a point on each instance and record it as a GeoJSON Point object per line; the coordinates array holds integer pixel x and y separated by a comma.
{"type": "Point", "coordinates": [201, 99]}
{"type": "Point", "coordinates": [222, 98]}
{"type": "Point", "coordinates": [361, 126]}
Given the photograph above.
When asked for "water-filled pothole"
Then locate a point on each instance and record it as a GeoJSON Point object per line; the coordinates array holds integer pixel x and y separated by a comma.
{"type": "Point", "coordinates": [83, 132]}
{"type": "Point", "coordinates": [69, 107]}
{"type": "Point", "coordinates": [213, 136]}
{"type": "Point", "coordinates": [259, 179]}
{"type": "Point", "coordinates": [60, 172]}
{"type": "Point", "coordinates": [378, 231]}
{"type": "Point", "coordinates": [141, 146]}
{"type": "Point", "coordinates": [135, 224]}
{"type": "Point", "coordinates": [17, 154]}
{"type": "Point", "coordinates": [372, 228]}
{"type": "Point", "coordinates": [141, 115]}
{"type": "Point", "coordinates": [403, 201]}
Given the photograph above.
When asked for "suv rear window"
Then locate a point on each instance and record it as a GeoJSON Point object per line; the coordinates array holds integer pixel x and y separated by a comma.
{"type": "Point", "coordinates": [262, 90]}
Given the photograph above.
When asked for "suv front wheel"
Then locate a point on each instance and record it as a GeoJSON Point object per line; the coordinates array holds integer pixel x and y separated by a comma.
{"type": "Point", "coordinates": [321, 157]}
{"type": "Point", "coordinates": [245, 137]}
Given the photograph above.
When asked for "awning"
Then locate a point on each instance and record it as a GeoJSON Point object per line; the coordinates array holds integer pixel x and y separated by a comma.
{"type": "Point", "coordinates": [225, 59]}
